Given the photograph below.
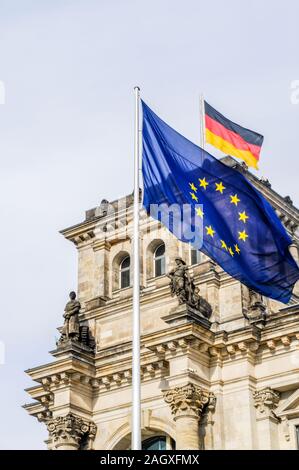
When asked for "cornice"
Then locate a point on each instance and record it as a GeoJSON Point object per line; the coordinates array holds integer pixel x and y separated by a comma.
{"type": "Point", "coordinates": [58, 367]}
{"type": "Point", "coordinates": [85, 230]}
{"type": "Point", "coordinates": [176, 340]}
{"type": "Point", "coordinates": [38, 411]}
{"type": "Point", "coordinates": [112, 367]}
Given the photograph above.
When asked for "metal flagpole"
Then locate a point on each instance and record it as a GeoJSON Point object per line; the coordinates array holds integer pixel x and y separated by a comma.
{"type": "Point", "coordinates": [202, 121]}
{"type": "Point", "coordinates": [136, 394]}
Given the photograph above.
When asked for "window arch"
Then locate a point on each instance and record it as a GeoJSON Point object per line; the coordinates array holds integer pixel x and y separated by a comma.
{"type": "Point", "coordinates": [124, 273]}
{"type": "Point", "coordinates": [154, 443]}
{"type": "Point", "coordinates": [159, 260]}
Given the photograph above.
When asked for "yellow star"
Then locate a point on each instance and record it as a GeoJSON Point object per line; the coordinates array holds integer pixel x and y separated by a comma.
{"type": "Point", "coordinates": [194, 197]}
{"type": "Point", "coordinates": [193, 187]}
{"type": "Point", "coordinates": [237, 249]}
{"type": "Point", "coordinates": [243, 216]}
{"type": "Point", "coordinates": [243, 235]}
{"type": "Point", "coordinates": [199, 212]}
{"type": "Point", "coordinates": [234, 199]}
{"type": "Point", "coordinates": [220, 187]}
{"type": "Point", "coordinates": [223, 244]}
{"type": "Point", "coordinates": [231, 251]}
{"type": "Point", "coordinates": [210, 231]}
{"type": "Point", "coordinates": [203, 183]}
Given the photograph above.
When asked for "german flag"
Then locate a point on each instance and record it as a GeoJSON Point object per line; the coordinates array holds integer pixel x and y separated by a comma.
{"type": "Point", "coordinates": [231, 138]}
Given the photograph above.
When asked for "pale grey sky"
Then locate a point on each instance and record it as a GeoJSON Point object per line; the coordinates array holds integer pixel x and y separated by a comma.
{"type": "Point", "coordinates": [66, 134]}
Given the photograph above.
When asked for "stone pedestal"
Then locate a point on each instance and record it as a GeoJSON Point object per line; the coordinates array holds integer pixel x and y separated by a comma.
{"type": "Point", "coordinates": [187, 403]}
{"type": "Point", "coordinates": [185, 314]}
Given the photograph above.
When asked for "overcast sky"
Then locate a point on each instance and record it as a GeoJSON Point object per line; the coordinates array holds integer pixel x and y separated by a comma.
{"type": "Point", "coordinates": [66, 134]}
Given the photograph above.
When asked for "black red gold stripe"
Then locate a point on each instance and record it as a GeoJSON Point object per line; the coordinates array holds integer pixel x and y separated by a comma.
{"type": "Point", "coordinates": [232, 138]}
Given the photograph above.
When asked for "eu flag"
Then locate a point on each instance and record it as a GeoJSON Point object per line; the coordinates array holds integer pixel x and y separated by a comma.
{"type": "Point", "coordinates": [230, 221]}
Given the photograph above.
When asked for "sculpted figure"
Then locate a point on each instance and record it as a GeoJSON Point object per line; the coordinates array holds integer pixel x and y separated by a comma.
{"type": "Point", "coordinates": [256, 309]}
{"type": "Point", "coordinates": [180, 282]}
{"type": "Point", "coordinates": [71, 319]}
{"type": "Point", "coordinates": [184, 288]}
{"type": "Point", "coordinates": [255, 299]}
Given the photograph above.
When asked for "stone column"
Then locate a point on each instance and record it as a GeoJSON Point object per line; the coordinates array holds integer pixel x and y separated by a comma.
{"type": "Point", "coordinates": [293, 248]}
{"type": "Point", "coordinates": [208, 421]}
{"type": "Point", "coordinates": [265, 402]}
{"type": "Point", "coordinates": [187, 403]}
{"type": "Point", "coordinates": [66, 432]}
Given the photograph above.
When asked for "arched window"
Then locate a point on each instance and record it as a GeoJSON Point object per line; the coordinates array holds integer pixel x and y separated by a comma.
{"type": "Point", "coordinates": [125, 272]}
{"type": "Point", "coordinates": [154, 443]}
{"type": "Point", "coordinates": [159, 260]}
{"type": "Point", "coordinates": [195, 256]}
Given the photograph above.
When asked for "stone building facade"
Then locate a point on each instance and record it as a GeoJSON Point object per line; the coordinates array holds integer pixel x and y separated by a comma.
{"type": "Point", "coordinates": [230, 381]}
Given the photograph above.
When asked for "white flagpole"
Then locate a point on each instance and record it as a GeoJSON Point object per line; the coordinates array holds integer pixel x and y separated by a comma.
{"type": "Point", "coordinates": [136, 393]}
{"type": "Point", "coordinates": [202, 121]}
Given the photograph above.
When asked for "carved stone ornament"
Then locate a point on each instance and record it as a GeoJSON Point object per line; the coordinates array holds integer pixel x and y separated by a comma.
{"type": "Point", "coordinates": [265, 181]}
{"type": "Point", "coordinates": [188, 400]}
{"type": "Point", "coordinates": [265, 401]}
{"type": "Point", "coordinates": [244, 167]}
{"type": "Point", "coordinates": [183, 287]}
{"type": "Point", "coordinates": [69, 430]}
{"type": "Point", "coordinates": [288, 200]}
{"type": "Point", "coordinates": [71, 327]}
{"type": "Point", "coordinates": [256, 309]}
{"type": "Point", "coordinates": [71, 330]}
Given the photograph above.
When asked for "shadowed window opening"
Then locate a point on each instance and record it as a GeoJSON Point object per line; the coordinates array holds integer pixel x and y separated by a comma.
{"type": "Point", "coordinates": [195, 256]}
{"type": "Point", "coordinates": [154, 443]}
{"type": "Point", "coordinates": [159, 260]}
{"type": "Point", "coordinates": [125, 272]}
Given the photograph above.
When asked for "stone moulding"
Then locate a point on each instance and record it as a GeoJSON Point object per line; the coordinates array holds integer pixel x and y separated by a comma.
{"type": "Point", "coordinates": [115, 379]}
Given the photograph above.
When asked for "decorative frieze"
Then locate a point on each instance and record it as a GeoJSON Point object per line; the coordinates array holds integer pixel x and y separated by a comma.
{"type": "Point", "coordinates": [286, 340]}
{"type": "Point", "coordinates": [250, 346]}
{"type": "Point", "coordinates": [66, 432]}
{"type": "Point", "coordinates": [124, 377]}
{"type": "Point", "coordinates": [179, 345]}
{"type": "Point", "coordinates": [265, 401]}
{"type": "Point", "coordinates": [83, 237]}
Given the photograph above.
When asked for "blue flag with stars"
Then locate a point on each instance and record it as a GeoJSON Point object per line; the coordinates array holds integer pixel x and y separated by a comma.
{"type": "Point", "coordinates": [230, 221]}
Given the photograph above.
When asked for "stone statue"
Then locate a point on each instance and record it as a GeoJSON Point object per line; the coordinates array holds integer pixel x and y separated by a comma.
{"type": "Point", "coordinates": [183, 287]}
{"type": "Point", "coordinates": [265, 181]}
{"type": "Point", "coordinates": [244, 166]}
{"type": "Point", "coordinates": [180, 282]}
{"type": "Point", "coordinates": [256, 308]}
{"type": "Point", "coordinates": [288, 200]}
{"type": "Point", "coordinates": [72, 330]}
{"type": "Point", "coordinates": [71, 327]}
{"type": "Point", "coordinates": [255, 299]}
